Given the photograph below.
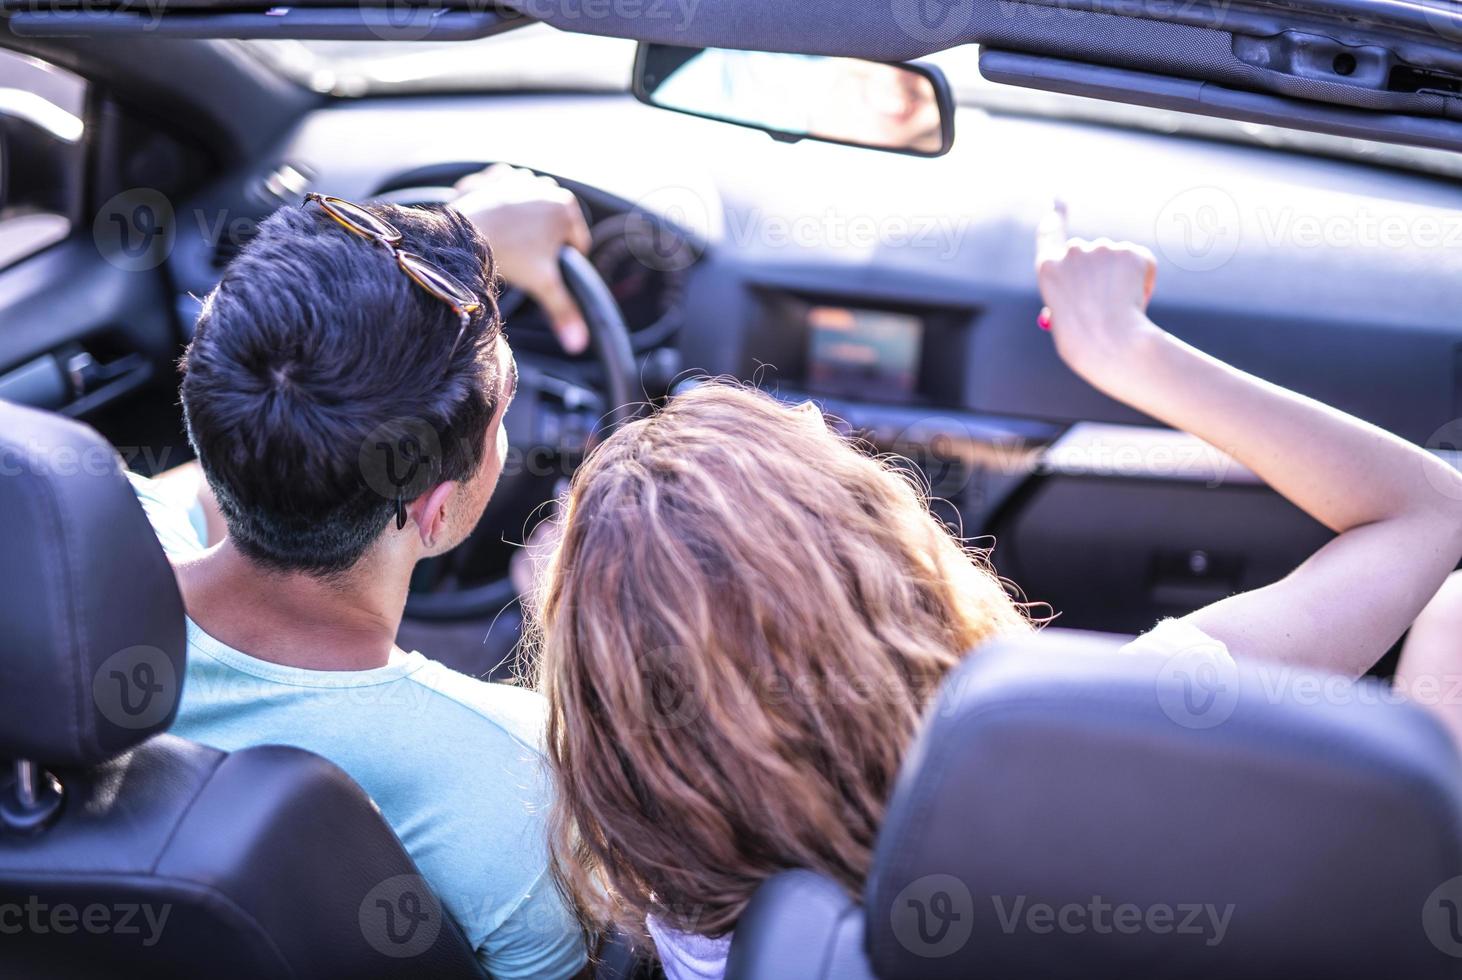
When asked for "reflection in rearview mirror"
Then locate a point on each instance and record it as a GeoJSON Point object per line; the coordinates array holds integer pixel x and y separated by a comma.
{"type": "Point", "coordinates": [904, 108]}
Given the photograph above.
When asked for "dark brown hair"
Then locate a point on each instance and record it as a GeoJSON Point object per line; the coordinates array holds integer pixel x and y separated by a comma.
{"type": "Point", "coordinates": [314, 342]}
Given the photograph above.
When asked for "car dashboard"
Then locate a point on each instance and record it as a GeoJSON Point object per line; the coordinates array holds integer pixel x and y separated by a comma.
{"type": "Point", "coordinates": [899, 292]}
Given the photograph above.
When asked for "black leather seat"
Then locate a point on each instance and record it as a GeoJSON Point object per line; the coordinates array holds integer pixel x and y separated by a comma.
{"type": "Point", "coordinates": [128, 852]}
{"type": "Point", "coordinates": [1066, 814]}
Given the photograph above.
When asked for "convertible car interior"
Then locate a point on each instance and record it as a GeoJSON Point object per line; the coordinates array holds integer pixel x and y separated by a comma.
{"type": "Point", "coordinates": [1296, 173]}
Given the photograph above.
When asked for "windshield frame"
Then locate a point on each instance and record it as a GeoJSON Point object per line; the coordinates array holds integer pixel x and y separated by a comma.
{"type": "Point", "coordinates": [307, 64]}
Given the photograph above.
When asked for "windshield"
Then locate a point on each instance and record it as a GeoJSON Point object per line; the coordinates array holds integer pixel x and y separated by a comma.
{"type": "Point", "coordinates": [539, 58]}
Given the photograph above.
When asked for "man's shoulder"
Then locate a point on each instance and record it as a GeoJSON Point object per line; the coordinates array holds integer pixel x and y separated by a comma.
{"type": "Point", "coordinates": [481, 838]}
{"type": "Point", "coordinates": [516, 712]}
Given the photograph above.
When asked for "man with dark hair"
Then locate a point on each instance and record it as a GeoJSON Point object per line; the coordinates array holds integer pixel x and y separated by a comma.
{"type": "Point", "coordinates": [345, 391]}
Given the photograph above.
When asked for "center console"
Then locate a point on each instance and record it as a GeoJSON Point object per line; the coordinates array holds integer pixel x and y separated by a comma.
{"type": "Point", "coordinates": [894, 376]}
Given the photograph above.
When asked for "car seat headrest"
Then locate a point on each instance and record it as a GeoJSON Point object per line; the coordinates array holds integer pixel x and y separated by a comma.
{"type": "Point", "coordinates": [94, 636]}
{"type": "Point", "coordinates": [1071, 811]}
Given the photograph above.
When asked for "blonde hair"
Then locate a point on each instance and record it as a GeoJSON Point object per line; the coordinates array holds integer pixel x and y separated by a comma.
{"type": "Point", "coordinates": [740, 631]}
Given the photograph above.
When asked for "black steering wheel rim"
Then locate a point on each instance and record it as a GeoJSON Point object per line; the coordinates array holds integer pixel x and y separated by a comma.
{"type": "Point", "coordinates": [608, 335]}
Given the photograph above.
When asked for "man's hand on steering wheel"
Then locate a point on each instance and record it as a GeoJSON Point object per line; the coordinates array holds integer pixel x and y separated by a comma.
{"type": "Point", "coordinates": [540, 242]}
{"type": "Point", "coordinates": [528, 219]}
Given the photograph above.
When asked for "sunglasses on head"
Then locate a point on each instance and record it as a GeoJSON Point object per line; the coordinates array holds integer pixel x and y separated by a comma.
{"type": "Point", "coordinates": [428, 276]}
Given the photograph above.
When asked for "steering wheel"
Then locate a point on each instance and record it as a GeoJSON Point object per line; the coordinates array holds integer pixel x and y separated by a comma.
{"type": "Point", "coordinates": [545, 413]}
{"type": "Point", "coordinates": [608, 335]}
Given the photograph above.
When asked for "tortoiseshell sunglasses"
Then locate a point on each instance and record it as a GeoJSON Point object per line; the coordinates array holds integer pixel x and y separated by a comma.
{"type": "Point", "coordinates": [429, 277]}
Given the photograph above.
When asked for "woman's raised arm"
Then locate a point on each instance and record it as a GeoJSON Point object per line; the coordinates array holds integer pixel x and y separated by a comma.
{"type": "Point", "coordinates": [1396, 510]}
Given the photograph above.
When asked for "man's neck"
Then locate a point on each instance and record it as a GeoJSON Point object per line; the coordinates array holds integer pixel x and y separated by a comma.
{"type": "Point", "coordinates": [298, 620]}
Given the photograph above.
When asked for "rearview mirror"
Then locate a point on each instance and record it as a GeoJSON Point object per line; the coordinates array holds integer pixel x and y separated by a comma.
{"type": "Point", "coordinates": [904, 108]}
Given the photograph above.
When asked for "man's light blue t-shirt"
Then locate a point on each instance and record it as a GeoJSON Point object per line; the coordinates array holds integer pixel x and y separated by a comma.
{"type": "Point", "coordinates": [455, 765]}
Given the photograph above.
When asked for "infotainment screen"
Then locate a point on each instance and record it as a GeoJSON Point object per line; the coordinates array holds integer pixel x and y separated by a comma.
{"type": "Point", "coordinates": [870, 353]}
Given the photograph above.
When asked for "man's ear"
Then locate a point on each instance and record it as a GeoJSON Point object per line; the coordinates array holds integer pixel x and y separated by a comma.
{"type": "Point", "coordinates": [429, 513]}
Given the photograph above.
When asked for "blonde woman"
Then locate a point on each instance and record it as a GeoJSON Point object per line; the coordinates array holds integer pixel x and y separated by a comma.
{"type": "Point", "coordinates": [746, 617]}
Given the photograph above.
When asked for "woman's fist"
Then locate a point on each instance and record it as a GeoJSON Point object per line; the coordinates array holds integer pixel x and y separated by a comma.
{"type": "Point", "coordinates": [1096, 295]}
